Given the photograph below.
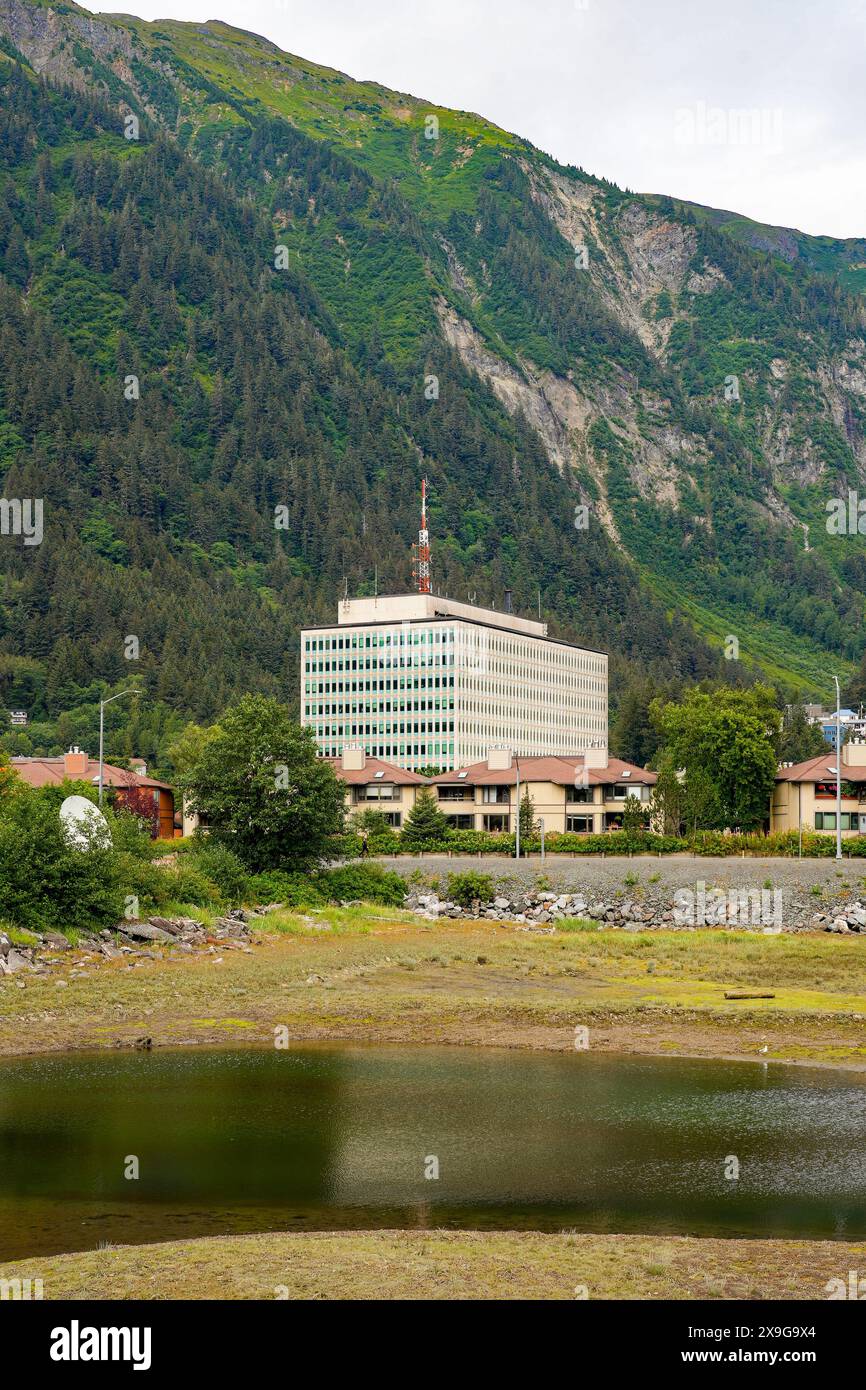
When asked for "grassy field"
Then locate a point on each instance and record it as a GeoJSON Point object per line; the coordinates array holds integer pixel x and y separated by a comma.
{"type": "Point", "coordinates": [380, 974]}
{"type": "Point", "coordinates": [448, 1264]}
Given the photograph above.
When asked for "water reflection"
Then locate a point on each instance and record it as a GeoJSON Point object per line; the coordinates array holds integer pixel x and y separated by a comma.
{"type": "Point", "coordinates": [322, 1137]}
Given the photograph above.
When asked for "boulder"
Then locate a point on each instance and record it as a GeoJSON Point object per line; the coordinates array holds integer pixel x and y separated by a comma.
{"type": "Point", "coordinates": [57, 941]}
{"type": "Point", "coordinates": [143, 931]}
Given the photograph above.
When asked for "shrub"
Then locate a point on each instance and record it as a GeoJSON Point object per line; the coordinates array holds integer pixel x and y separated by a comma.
{"type": "Point", "coordinates": [369, 882]}
{"type": "Point", "coordinates": [221, 867]}
{"type": "Point", "coordinates": [295, 890]}
{"type": "Point", "coordinates": [185, 883]}
{"type": "Point", "coordinates": [45, 884]}
{"type": "Point", "coordinates": [470, 887]}
{"type": "Point", "coordinates": [138, 878]}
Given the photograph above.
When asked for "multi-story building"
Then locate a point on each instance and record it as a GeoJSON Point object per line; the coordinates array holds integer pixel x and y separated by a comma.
{"type": "Point", "coordinates": [582, 795]}
{"type": "Point", "coordinates": [373, 785]}
{"type": "Point", "coordinates": [420, 681]}
{"type": "Point", "coordinates": [804, 796]}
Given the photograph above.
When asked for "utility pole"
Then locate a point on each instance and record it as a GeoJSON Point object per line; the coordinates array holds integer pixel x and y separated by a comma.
{"type": "Point", "coordinates": [130, 690]}
{"type": "Point", "coordinates": [517, 828]}
{"type": "Point", "coordinates": [838, 771]}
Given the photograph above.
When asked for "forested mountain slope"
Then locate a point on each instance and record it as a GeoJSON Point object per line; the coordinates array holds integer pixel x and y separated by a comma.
{"type": "Point", "coordinates": [320, 304]}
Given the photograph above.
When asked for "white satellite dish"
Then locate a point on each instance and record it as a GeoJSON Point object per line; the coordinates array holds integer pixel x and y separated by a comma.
{"type": "Point", "coordinates": [84, 825]}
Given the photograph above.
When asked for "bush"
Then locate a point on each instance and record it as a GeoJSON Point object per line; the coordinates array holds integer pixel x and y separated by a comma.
{"type": "Point", "coordinates": [295, 890]}
{"type": "Point", "coordinates": [470, 887]}
{"type": "Point", "coordinates": [369, 882]}
{"type": "Point", "coordinates": [185, 883]}
{"type": "Point", "coordinates": [140, 879]}
{"type": "Point", "coordinates": [223, 868]}
{"type": "Point", "coordinates": [45, 884]}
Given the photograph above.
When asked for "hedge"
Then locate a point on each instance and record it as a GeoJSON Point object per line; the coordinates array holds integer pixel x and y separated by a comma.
{"type": "Point", "coordinates": [705, 842]}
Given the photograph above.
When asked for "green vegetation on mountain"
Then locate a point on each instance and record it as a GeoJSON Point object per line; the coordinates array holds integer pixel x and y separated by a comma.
{"type": "Point", "coordinates": [233, 345]}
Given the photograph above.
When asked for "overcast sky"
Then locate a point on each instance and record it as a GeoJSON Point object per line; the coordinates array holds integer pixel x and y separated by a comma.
{"type": "Point", "coordinates": [753, 105]}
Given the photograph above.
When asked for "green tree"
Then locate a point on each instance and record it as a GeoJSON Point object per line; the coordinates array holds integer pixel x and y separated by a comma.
{"type": "Point", "coordinates": [799, 739]}
{"type": "Point", "coordinates": [425, 824]}
{"type": "Point", "coordinates": [724, 740]}
{"type": "Point", "coordinates": [187, 748]}
{"type": "Point", "coordinates": [262, 789]}
{"type": "Point", "coordinates": [634, 818]}
{"type": "Point", "coordinates": [527, 815]}
{"type": "Point", "coordinates": [668, 800]}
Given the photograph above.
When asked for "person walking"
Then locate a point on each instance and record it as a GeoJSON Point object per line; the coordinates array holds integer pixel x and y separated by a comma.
{"type": "Point", "coordinates": [365, 848]}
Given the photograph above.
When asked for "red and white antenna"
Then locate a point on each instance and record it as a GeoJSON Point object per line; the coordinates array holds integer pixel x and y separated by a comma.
{"type": "Point", "coordinates": [421, 551]}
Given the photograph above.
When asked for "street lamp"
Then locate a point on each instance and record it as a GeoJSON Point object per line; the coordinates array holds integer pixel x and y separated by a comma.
{"type": "Point", "coordinates": [131, 690]}
{"type": "Point", "coordinates": [838, 771]}
{"type": "Point", "coordinates": [517, 827]}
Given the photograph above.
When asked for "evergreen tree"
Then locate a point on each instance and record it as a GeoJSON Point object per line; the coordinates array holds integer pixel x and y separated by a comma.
{"type": "Point", "coordinates": [527, 815]}
{"type": "Point", "coordinates": [425, 826]}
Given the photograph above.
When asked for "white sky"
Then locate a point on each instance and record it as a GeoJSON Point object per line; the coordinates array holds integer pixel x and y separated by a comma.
{"type": "Point", "coordinates": [758, 106]}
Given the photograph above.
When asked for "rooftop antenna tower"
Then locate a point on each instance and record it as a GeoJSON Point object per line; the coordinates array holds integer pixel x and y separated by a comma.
{"type": "Point", "coordinates": [421, 551]}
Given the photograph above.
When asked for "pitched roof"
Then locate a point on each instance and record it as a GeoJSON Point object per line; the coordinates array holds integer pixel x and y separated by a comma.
{"type": "Point", "coordinates": [375, 770]}
{"type": "Point", "coordinates": [44, 772]}
{"type": "Point", "coordinates": [820, 769]}
{"type": "Point", "coordinates": [560, 770]}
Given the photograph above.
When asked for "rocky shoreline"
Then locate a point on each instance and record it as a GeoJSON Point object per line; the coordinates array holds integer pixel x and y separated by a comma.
{"type": "Point", "coordinates": [757, 910]}
{"type": "Point", "coordinates": [131, 941]}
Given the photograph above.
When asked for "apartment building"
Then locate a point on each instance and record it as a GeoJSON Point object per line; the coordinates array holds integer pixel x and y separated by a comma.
{"type": "Point", "coordinates": [582, 794]}
{"type": "Point", "coordinates": [373, 785]}
{"type": "Point", "coordinates": [805, 793]}
{"type": "Point", "coordinates": [418, 680]}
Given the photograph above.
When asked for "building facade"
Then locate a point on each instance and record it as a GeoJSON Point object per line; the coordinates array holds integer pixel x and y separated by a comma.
{"type": "Point", "coordinates": [372, 785]}
{"type": "Point", "coordinates": [422, 681]}
{"type": "Point", "coordinates": [579, 795]}
{"type": "Point", "coordinates": [805, 793]}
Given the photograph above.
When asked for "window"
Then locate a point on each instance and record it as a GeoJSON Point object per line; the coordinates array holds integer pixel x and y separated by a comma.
{"type": "Point", "coordinates": [579, 794]}
{"type": "Point", "coordinates": [579, 825]}
{"type": "Point", "coordinates": [494, 823]}
{"type": "Point", "coordinates": [497, 796]}
{"type": "Point", "coordinates": [461, 822]}
{"type": "Point", "coordinates": [826, 820]}
{"type": "Point", "coordinates": [378, 791]}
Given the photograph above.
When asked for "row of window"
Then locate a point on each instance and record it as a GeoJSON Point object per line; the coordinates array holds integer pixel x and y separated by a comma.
{"type": "Point", "coordinates": [377, 707]}
{"type": "Point", "coordinates": [405, 726]}
{"type": "Point", "coordinates": [402, 635]}
{"type": "Point", "coordinates": [377, 686]}
{"type": "Point", "coordinates": [826, 820]}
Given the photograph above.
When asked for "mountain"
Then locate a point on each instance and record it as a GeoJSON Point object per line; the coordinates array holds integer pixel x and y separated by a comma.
{"type": "Point", "coordinates": [234, 343]}
{"type": "Point", "coordinates": [843, 258]}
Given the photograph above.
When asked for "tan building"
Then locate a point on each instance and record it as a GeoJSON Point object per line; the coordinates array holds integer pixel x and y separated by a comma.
{"type": "Point", "coordinates": [580, 794]}
{"type": "Point", "coordinates": [372, 785]}
{"type": "Point", "coordinates": [422, 681]}
{"type": "Point", "coordinates": [805, 793]}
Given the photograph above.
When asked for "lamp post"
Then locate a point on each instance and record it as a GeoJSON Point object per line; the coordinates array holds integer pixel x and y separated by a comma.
{"type": "Point", "coordinates": [838, 771]}
{"type": "Point", "coordinates": [130, 690]}
{"type": "Point", "coordinates": [517, 827]}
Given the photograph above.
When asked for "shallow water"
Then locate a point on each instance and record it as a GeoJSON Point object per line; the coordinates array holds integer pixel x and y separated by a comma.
{"type": "Point", "coordinates": [340, 1136]}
